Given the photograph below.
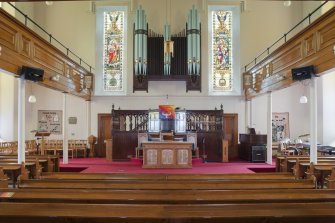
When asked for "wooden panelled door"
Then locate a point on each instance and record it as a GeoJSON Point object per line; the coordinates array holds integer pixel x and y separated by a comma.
{"type": "Point", "coordinates": [104, 132]}
{"type": "Point", "coordinates": [231, 134]}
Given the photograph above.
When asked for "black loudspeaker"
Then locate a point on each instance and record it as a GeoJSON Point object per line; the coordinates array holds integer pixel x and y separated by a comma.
{"type": "Point", "coordinates": [258, 153]}
{"type": "Point", "coordinates": [302, 73]}
{"type": "Point", "coordinates": [32, 73]}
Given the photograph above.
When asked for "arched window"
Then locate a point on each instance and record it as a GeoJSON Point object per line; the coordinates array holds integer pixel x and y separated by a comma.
{"type": "Point", "coordinates": [111, 50]}
{"type": "Point", "coordinates": [224, 55]}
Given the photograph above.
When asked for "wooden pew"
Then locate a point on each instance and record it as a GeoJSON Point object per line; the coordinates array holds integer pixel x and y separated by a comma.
{"type": "Point", "coordinates": [33, 168]}
{"type": "Point", "coordinates": [165, 196]}
{"type": "Point", "coordinates": [3, 179]}
{"type": "Point", "coordinates": [300, 167]}
{"type": "Point", "coordinates": [170, 184]}
{"type": "Point", "coordinates": [53, 161]}
{"type": "Point", "coordinates": [167, 213]}
{"type": "Point", "coordinates": [14, 171]}
{"type": "Point", "coordinates": [331, 179]}
{"type": "Point", "coordinates": [320, 171]}
{"type": "Point", "coordinates": [128, 176]}
{"type": "Point", "coordinates": [285, 164]}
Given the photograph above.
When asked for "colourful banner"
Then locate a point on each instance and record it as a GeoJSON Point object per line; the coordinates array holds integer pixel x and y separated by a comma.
{"type": "Point", "coordinates": [167, 112]}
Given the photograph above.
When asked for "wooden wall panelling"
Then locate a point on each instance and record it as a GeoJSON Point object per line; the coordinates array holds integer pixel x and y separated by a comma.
{"type": "Point", "coordinates": [20, 46]}
{"type": "Point", "coordinates": [312, 46]}
{"type": "Point", "coordinates": [104, 132]}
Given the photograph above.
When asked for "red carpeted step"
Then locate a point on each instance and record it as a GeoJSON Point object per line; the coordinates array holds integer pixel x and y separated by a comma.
{"type": "Point", "coordinates": [135, 160]}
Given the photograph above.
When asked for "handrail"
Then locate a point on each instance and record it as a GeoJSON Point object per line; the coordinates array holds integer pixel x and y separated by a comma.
{"type": "Point", "coordinates": [26, 19]}
{"type": "Point", "coordinates": [284, 36]}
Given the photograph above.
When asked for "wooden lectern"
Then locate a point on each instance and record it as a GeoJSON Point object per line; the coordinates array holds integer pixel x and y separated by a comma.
{"type": "Point", "coordinates": [42, 135]}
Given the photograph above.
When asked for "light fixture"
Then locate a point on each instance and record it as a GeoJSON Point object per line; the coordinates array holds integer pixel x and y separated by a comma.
{"type": "Point", "coordinates": [303, 99]}
{"type": "Point", "coordinates": [287, 3]}
{"type": "Point", "coordinates": [55, 78]}
{"type": "Point", "coordinates": [32, 98]}
{"type": "Point", "coordinates": [49, 3]}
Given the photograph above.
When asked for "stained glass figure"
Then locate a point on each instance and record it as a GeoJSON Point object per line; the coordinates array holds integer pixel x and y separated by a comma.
{"type": "Point", "coordinates": [113, 51]}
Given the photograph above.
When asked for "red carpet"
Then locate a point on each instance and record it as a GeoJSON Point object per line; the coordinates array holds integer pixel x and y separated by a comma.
{"type": "Point", "coordinates": [101, 165]}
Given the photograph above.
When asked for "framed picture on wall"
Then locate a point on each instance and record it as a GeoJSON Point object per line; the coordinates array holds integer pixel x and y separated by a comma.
{"type": "Point", "coordinates": [280, 126]}
{"type": "Point", "coordinates": [50, 121]}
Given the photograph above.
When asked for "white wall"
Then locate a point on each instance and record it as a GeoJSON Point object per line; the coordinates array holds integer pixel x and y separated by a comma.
{"type": "Point", "coordinates": [8, 107]}
{"type": "Point", "coordinates": [328, 109]}
{"type": "Point", "coordinates": [285, 100]}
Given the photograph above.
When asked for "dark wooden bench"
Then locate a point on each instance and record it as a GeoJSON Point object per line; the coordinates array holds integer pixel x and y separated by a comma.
{"type": "Point", "coordinates": [165, 196]}
{"type": "Point", "coordinates": [286, 163]}
{"type": "Point", "coordinates": [170, 184]}
{"type": "Point", "coordinates": [168, 213]}
{"type": "Point", "coordinates": [52, 161]}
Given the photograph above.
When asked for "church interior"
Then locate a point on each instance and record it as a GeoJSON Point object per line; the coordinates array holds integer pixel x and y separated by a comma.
{"type": "Point", "coordinates": [167, 111]}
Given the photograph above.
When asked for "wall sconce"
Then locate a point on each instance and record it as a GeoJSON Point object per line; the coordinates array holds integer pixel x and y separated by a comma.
{"type": "Point", "coordinates": [49, 3]}
{"type": "Point", "coordinates": [303, 99]}
{"type": "Point", "coordinates": [32, 97]}
{"type": "Point", "coordinates": [287, 3]}
{"type": "Point", "coordinates": [55, 77]}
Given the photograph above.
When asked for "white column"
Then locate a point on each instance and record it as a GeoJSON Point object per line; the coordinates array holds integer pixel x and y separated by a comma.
{"type": "Point", "coordinates": [250, 114]}
{"type": "Point", "coordinates": [247, 115]}
{"type": "Point", "coordinates": [313, 120]}
{"type": "Point", "coordinates": [21, 121]}
{"type": "Point", "coordinates": [65, 137]}
{"type": "Point", "coordinates": [88, 118]}
{"type": "Point", "coordinates": [269, 130]}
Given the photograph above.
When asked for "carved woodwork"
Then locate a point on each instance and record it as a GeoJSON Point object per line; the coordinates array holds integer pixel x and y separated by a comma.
{"type": "Point", "coordinates": [20, 46]}
{"type": "Point", "coordinates": [207, 123]}
{"type": "Point", "coordinates": [167, 154]}
{"type": "Point", "coordinates": [312, 46]}
{"type": "Point", "coordinates": [126, 141]}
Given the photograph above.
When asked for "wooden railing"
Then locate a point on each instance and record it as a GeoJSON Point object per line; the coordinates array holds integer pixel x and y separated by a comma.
{"type": "Point", "coordinates": [20, 46]}
{"type": "Point", "coordinates": [314, 45]}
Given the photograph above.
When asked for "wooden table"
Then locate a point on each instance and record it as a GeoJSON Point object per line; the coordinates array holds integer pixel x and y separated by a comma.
{"type": "Point", "coordinates": [167, 154]}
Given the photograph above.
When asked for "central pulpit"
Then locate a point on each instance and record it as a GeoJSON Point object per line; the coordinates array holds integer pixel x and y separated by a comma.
{"type": "Point", "coordinates": [167, 154]}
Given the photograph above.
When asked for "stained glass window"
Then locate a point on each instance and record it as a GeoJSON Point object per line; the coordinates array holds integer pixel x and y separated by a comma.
{"type": "Point", "coordinates": [113, 73]}
{"type": "Point", "coordinates": [224, 63]}
{"type": "Point", "coordinates": [221, 48]}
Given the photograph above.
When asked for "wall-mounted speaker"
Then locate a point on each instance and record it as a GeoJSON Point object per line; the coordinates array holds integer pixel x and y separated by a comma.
{"type": "Point", "coordinates": [302, 73]}
{"type": "Point", "coordinates": [32, 73]}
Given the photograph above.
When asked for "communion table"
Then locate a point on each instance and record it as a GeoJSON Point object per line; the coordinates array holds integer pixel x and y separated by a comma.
{"type": "Point", "coordinates": [167, 154]}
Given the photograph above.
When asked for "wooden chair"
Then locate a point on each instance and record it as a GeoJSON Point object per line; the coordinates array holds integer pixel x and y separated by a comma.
{"type": "Point", "coordinates": [166, 136]}
{"type": "Point", "coordinates": [81, 146]}
{"type": "Point", "coordinates": [192, 137]}
{"type": "Point", "coordinates": [72, 147]}
{"type": "Point", "coordinates": [141, 137]}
